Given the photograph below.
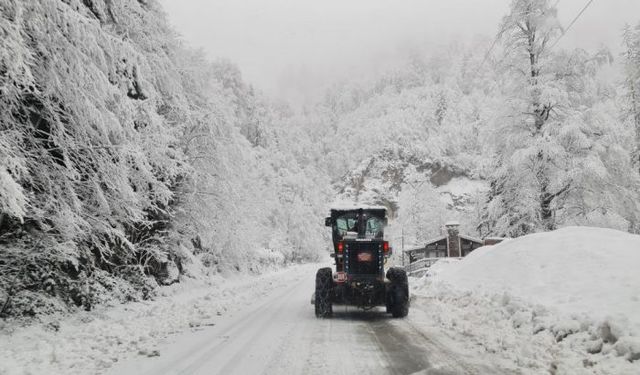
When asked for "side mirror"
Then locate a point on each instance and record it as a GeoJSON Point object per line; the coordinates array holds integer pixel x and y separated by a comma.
{"type": "Point", "coordinates": [327, 222]}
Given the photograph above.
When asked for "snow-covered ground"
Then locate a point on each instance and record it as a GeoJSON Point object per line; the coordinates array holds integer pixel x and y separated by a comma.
{"type": "Point", "coordinates": [92, 342]}
{"type": "Point", "coordinates": [261, 324]}
{"type": "Point", "coordinates": [565, 302]}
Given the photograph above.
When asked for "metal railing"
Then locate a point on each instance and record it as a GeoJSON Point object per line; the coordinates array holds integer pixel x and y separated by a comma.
{"type": "Point", "coordinates": [420, 264]}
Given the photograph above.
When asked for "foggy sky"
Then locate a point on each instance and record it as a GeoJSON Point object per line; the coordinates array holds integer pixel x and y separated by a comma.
{"type": "Point", "coordinates": [293, 49]}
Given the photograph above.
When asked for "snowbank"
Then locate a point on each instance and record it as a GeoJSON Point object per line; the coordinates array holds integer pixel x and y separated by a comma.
{"type": "Point", "coordinates": [574, 292]}
{"type": "Point", "coordinates": [575, 270]}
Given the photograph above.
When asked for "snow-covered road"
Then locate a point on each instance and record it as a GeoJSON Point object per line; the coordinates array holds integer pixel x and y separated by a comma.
{"type": "Point", "coordinates": [279, 334]}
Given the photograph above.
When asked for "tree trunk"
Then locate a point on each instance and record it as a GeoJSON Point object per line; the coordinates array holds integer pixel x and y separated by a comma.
{"type": "Point", "coordinates": [540, 117]}
{"type": "Point", "coordinates": [635, 108]}
{"type": "Point", "coordinates": [546, 213]}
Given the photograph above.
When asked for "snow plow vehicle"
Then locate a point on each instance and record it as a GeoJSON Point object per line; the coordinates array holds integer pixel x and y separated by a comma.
{"type": "Point", "coordinates": [360, 252]}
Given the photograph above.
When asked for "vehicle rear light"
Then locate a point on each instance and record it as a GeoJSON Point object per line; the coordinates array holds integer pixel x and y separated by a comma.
{"type": "Point", "coordinates": [385, 246]}
{"type": "Point", "coordinates": [340, 246]}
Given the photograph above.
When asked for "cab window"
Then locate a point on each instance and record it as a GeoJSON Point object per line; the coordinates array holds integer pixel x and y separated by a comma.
{"type": "Point", "coordinates": [346, 224]}
{"type": "Point", "coordinates": [374, 227]}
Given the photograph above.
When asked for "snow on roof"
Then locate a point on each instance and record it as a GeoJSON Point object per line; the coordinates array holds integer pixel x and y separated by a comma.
{"type": "Point", "coordinates": [470, 238]}
{"type": "Point", "coordinates": [451, 223]}
{"type": "Point", "coordinates": [427, 243]}
{"type": "Point", "coordinates": [440, 238]}
{"type": "Point", "coordinates": [355, 206]}
{"type": "Point", "coordinates": [413, 246]}
{"type": "Point", "coordinates": [497, 238]}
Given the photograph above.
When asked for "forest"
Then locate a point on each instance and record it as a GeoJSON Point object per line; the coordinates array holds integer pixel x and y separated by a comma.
{"type": "Point", "coordinates": [129, 160]}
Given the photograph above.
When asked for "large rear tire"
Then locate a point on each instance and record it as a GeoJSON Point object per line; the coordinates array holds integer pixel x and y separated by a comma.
{"type": "Point", "coordinates": [324, 287]}
{"type": "Point", "coordinates": [398, 293]}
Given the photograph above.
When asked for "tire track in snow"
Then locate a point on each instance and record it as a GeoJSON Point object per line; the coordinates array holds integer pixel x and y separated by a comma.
{"type": "Point", "coordinates": [279, 334]}
{"type": "Point", "coordinates": [227, 336]}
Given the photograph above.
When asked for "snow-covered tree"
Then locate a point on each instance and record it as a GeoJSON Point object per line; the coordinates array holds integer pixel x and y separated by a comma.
{"type": "Point", "coordinates": [526, 181]}
{"type": "Point", "coordinates": [631, 38]}
{"type": "Point", "coordinates": [560, 159]}
{"type": "Point", "coordinates": [124, 153]}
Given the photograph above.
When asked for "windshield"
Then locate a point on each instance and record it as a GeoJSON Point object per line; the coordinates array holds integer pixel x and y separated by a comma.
{"type": "Point", "coordinates": [346, 223]}
{"type": "Point", "coordinates": [373, 226]}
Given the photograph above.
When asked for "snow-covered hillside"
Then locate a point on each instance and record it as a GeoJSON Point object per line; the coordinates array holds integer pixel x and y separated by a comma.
{"type": "Point", "coordinates": [570, 296]}
{"type": "Point", "coordinates": [420, 193]}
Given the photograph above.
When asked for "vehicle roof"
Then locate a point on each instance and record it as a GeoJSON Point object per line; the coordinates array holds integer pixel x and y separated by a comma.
{"type": "Point", "coordinates": [354, 207]}
{"type": "Point", "coordinates": [371, 210]}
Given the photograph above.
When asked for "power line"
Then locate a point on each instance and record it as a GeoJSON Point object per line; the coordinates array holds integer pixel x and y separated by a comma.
{"type": "Point", "coordinates": [486, 55]}
{"type": "Point", "coordinates": [572, 22]}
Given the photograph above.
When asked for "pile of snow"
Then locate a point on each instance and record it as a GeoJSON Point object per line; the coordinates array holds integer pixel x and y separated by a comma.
{"type": "Point", "coordinates": [568, 299]}
{"type": "Point", "coordinates": [576, 270]}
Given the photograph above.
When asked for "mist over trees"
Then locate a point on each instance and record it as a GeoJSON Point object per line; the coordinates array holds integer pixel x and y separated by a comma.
{"type": "Point", "coordinates": [127, 158]}
{"type": "Point", "coordinates": [548, 130]}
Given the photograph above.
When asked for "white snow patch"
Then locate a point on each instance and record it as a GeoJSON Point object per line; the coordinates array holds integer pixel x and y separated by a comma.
{"type": "Point", "coordinates": [463, 186]}
{"type": "Point", "coordinates": [566, 302]}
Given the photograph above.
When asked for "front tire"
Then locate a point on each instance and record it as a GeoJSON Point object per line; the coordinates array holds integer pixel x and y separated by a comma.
{"type": "Point", "coordinates": [324, 286]}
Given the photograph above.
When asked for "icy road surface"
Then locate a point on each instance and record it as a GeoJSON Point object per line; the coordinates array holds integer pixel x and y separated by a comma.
{"type": "Point", "coordinates": [278, 333]}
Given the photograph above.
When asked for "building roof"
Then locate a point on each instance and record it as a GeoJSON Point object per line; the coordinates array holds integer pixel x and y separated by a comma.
{"type": "Point", "coordinates": [452, 223]}
{"type": "Point", "coordinates": [429, 242]}
{"type": "Point", "coordinates": [470, 238]}
{"type": "Point", "coordinates": [434, 240]}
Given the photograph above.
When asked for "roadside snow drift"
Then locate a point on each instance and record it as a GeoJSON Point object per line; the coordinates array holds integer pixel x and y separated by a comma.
{"type": "Point", "coordinates": [576, 270]}
{"type": "Point", "coordinates": [575, 290]}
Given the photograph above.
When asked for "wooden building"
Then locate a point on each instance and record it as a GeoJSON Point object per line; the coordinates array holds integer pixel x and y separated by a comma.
{"type": "Point", "coordinates": [451, 244]}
